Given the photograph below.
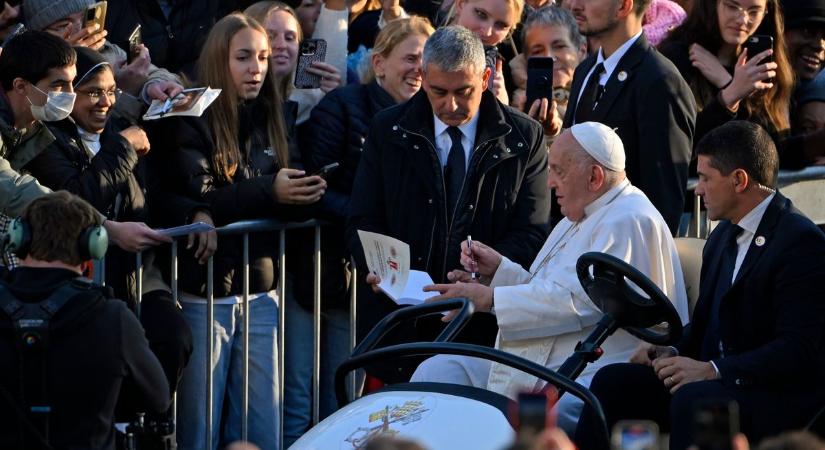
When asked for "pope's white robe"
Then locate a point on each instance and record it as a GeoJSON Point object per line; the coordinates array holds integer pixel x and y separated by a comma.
{"type": "Point", "coordinates": [542, 319]}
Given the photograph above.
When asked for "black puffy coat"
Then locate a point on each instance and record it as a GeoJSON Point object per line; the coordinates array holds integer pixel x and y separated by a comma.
{"type": "Point", "coordinates": [187, 167]}
{"type": "Point", "coordinates": [115, 183]}
{"type": "Point", "coordinates": [399, 190]}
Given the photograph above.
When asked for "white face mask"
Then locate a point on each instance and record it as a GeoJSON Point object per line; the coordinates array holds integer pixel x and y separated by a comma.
{"type": "Point", "coordinates": [58, 106]}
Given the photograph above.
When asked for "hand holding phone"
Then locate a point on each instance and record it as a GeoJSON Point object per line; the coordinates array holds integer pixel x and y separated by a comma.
{"type": "Point", "coordinates": [325, 171]}
{"type": "Point", "coordinates": [754, 71]}
{"type": "Point", "coordinates": [539, 80]}
{"type": "Point", "coordinates": [96, 15]}
{"type": "Point", "coordinates": [311, 50]}
{"type": "Point", "coordinates": [135, 42]}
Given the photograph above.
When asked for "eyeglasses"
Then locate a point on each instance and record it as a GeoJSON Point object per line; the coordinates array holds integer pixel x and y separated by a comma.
{"type": "Point", "coordinates": [96, 94]}
{"type": "Point", "coordinates": [753, 14]}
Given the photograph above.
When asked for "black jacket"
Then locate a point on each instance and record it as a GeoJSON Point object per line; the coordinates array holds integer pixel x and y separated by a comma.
{"type": "Point", "coordinates": [399, 190]}
{"type": "Point", "coordinates": [653, 112]}
{"type": "Point", "coordinates": [95, 345]}
{"type": "Point", "coordinates": [115, 182]}
{"type": "Point", "coordinates": [336, 132]}
{"type": "Point", "coordinates": [772, 319]}
{"type": "Point", "coordinates": [175, 41]}
{"type": "Point", "coordinates": [185, 163]}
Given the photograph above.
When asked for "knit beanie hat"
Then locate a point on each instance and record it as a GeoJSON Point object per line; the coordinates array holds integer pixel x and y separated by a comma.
{"type": "Point", "coordinates": [41, 13]}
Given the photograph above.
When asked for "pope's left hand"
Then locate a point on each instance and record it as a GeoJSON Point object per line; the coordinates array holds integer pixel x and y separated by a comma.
{"type": "Point", "coordinates": [480, 295]}
{"type": "Point", "coordinates": [678, 371]}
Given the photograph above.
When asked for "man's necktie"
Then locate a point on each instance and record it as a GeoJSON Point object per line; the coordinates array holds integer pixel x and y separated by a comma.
{"type": "Point", "coordinates": [711, 344]}
{"type": "Point", "coordinates": [590, 96]}
{"type": "Point", "coordinates": [455, 170]}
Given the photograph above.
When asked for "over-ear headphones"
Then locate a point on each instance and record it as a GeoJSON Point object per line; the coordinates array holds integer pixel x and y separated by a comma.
{"type": "Point", "coordinates": [91, 244]}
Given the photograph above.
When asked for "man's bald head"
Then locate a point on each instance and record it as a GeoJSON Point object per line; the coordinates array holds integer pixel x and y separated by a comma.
{"type": "Point", "coordinates": [578, 178]}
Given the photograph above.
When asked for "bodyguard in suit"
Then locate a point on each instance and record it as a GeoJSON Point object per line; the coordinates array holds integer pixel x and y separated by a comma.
{"type": "Point", "coordinates": [757, 332]}
{"type": "Point", "coordinates": [629, 86]}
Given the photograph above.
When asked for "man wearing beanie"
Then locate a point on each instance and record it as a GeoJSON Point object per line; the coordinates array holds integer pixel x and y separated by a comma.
{"type": "Point", "coordinates": [544, 312]}
{"type": "Point", "coordinates": [140, 80]}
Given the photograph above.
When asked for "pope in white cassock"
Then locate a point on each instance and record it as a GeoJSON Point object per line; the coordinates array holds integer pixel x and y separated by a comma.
{"type": "Point", "coordinates": [543, 313]}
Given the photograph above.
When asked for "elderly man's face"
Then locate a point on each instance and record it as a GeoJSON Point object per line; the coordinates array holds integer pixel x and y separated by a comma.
{"type": "Point", "coordinates": [454, 96]}
{"type": "Point", "coordinates": [569, 176]}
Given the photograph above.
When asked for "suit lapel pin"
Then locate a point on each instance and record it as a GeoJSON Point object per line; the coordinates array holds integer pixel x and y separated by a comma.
{"type": "Point", "coordinates": [622, 75]}
{"type": "Point", "coordinates": [760, 241]}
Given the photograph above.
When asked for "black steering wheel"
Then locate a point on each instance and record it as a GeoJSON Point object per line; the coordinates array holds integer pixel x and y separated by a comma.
{"type": "Point", "coordinates": [629, 297]}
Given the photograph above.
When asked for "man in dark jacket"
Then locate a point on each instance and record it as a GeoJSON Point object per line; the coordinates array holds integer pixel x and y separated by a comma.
{"type": "Point", "coordinates": [627, 85]}
{"type": "Point", "coordinates": [94, 346]}
{"type": "Point", "coordinates": [756, 335]}
{"type": "Point", "coordinates": [450, 162]}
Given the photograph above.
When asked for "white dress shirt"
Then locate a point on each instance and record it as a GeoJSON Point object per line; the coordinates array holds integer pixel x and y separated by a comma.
{"type": "Point", "coordinates": [749, 224]}
{"type": "Point", "coordinates": [609, 64]}
{"type": "Point", "coordinates": [443, 142]}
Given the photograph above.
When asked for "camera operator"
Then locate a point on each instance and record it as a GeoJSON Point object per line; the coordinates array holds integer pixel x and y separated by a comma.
{"type": "Point", "coordinates": [63, 378]}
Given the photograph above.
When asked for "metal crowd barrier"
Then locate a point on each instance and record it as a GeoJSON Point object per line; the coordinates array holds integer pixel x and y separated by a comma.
{"type": "Point", "coordinates": [805, 188]}
{"type": "Point", "coordinates": [245, 228]}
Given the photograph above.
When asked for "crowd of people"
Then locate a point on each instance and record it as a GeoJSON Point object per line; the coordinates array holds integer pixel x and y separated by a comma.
{"type": "Point", "coordinates": [422, 108]}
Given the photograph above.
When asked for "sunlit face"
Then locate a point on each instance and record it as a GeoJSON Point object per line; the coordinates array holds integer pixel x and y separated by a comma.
{"type": "Point", "coordinates": [308, 12]}
{"type": "Point", "coordinates": [95, 100]}
{"type": "Point", "coordinates": [455, 96]}
{"type": "Point", "coordinates": [806, 49]}
{"type": "Point", "coordinates": [400, 71]}
{"type": "Point", "coordinates": [568, 176]}
{"type": "Point", "coordinates": [57, 79]}
{"type": "Point", "coordinates": [282, 30]}
{"type": "Point", "coordinates": [811, 117]}
{"type": "Point", "coordinates": [739, 19]}
{"type": "Point", "coordinates": [490, 20]}
{"type": "Point", "coordinates": [717, 190]}
{"type": "Point", "coordinates": [594, 17]}
{"type": "Point", "coordinates": [248, 62]}
{"type": "Point", "coordinates": [554, 41]}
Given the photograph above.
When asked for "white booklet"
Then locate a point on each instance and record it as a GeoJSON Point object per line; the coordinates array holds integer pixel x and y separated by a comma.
{"type": "Point", "coordinates": [389, 258]}
{"type": "Point", "coordinates": [190, 102]}
{"type": "Point", "coordinates": [196, 227]}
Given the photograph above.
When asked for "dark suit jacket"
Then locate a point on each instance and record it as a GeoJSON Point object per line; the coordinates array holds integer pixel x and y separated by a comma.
{"type": "Point", "coordinates": [772, 320]}
{"type": "Point", "coordinates": [654, 114]}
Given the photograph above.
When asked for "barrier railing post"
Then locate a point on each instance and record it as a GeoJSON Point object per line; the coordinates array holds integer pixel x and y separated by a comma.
{"type": "Point", "coordinates": [138, 282]}
{"type": "Point", "coordinates": [210, 346]}
{"type": "Point", "coordinates": [281, 331]}
{"type": "Point", "coordinates": [245, 400]}
{"type": "Point", "coordinates": [353, 316]}
{"type": "Point", "coordinates": [175, 298]}
{"type": "Point", "coordinates": [316, 329]}
{"type": "Point", "coordinates": [697, 214]}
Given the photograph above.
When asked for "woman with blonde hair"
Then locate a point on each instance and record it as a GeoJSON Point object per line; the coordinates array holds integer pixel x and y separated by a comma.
{"type": "Point", "coordinates": [234, 159]}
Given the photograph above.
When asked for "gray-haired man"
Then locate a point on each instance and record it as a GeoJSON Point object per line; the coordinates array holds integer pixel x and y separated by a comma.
{"type": "Point", "coordinates": [450, 162]}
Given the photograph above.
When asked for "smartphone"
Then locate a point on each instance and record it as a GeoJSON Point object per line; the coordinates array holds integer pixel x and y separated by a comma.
{"type": "Point", "coordinates": [311, 50]}
{"type": "Point", "coordinates": [715, 423]}
{"type": "Point", "coordinates": [135, 39]}
{"type": "Point", "coordinates": [757, 44]}
{"type": "Point", "coordinates": [15, 31]}
{"type": "Point", "coordinates": [325, 171]}
{"type": "Point", "coordinates": [96, 14]}
{"type": "Point", "coordinates": [539, 80]}
{"type": "Point", "coordinates": [635, 435]}
{"type": "Point", "coordinates": [533, 413]}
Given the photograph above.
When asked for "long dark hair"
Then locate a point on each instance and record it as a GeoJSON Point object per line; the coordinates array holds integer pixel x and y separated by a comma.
{"type": "Point", "coordinates": [213, 71]}
{"type": "Point", "coordinates": [702, 27]}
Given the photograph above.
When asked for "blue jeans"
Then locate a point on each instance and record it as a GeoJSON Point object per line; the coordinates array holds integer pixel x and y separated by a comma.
{"type": "Point", "coordinates": [227, 376]}
{"type": "Point", "coordinates": [298, 364]}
